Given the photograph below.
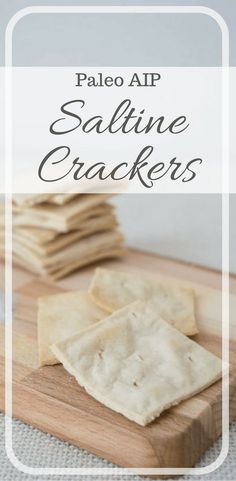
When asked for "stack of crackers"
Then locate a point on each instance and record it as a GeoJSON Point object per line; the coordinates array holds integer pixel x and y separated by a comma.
{"type": "Point", "coordinates": [125, 340]}
{"type": "Point", "coordinates": [54, 235]}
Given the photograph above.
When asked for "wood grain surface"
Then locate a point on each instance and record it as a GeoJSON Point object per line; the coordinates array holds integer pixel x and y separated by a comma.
{"type": "Point", "coordinates": [51, 400]}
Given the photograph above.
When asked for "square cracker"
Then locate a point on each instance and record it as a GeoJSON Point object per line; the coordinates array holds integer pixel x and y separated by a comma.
{"type": "Point", "coordinates": [137, 364]}
{"type": "Point", "coordinates": [24, 217]}
{"type": "Point", "coordinates": [61, 218]}
{"type": "Point", "coordinates": [61, 316]}
{"type": "Point", "coordinates": [32, 236]}
{"type": "Point", "coordinates": [91, 245]}
{"type": "Point", "coordinates": [43, 236]}
{"type": "Point", "coordinates": [112, 290]}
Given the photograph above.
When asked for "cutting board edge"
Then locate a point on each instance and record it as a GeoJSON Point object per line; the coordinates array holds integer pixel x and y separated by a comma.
{"type": "Point", "coordinates": [152, 456]}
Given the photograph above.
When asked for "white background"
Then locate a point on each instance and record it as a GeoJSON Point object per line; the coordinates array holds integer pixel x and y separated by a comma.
{"type": "Point", "coordinates": [191, 93]}
{"type": "Point", "coordinates": [187, 228]}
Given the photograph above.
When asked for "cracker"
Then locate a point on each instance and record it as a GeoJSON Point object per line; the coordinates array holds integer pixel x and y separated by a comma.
{"type": "Point", "coordinates": [87, 246]}
{"type": "Point", "coordinates": [102, 245]}
{"type": "Point", "coordinates": [137, 364]}
{"type": "Point", "coordinates": [60, 199]}
{"type": "Point", "coordinates": [49, 231]}
{"type": "Point", "coordinates": [61, 316]}
{"type": "Point", "coordinates": [63, 217]}
{"type": "Point", "coordinates": [25, 200]}
{"type": "Point", "coordinates": [112, 290]}
{"type": "Point", "coordinates": [30, 199]}
{"type": "Point", "coordinates": [32, 238]}
{"type": "Point", "coordinates": [108, 253]}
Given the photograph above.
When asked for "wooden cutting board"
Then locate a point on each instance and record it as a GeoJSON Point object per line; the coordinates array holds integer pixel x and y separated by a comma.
{"type": "Point", "coordinates": [51, 400]}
